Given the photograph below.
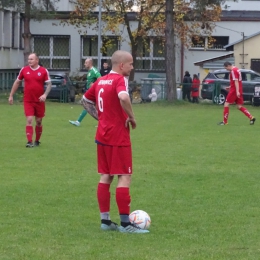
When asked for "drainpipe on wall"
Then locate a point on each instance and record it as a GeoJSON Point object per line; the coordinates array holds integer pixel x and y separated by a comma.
{"type": "Point", "coordinates": [182, 61]}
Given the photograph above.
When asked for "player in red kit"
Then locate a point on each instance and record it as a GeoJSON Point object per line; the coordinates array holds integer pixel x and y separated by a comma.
{"type": "Point", "coordinates": [235, 94]}
{"type": "Point", "coordinates": [108, 101]}
{"type": "Point", "coordinates": [34, 77]}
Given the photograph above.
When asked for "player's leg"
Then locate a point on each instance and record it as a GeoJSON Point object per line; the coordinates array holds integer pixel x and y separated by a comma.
{"type": "Point", "coordinates": [245, 111]}
{"type": "Point", "coordinates": [29, 114]}
{"type": "Point", "coordinates": [80, 118]}
{"type": "Point", "coordinates": [225, 114]}
{"type": "Point", "coordinates": [231, 98]}
{"type": "Point", "coordinates": [121, 165]}
{"type": "Point", "coordinates": [103, 188]}
{"type": "Point", "coordinates": [40, 113]}
{"type": "Point", "coordinates": [38, 130]}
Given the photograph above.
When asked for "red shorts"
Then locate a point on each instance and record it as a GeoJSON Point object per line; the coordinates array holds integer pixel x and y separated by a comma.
{"type": "Point", "coordinates": [34, 109]}
{"type": "Point", "coordinates": [232, 98]}
{"type": "Point", "coordinates": [114, 160]}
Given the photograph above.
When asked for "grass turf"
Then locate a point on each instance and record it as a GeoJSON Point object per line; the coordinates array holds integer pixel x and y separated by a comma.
{"type": "Point", "coordinates": [199, 182]}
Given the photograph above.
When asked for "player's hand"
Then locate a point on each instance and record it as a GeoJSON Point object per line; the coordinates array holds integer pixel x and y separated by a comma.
{"type": "Point", "coordinates": [11, 100]}
{"type": "Point", "coordinates": [130, 121]}
{"type": "Point", "coordinates": [227, 88]}
{"type": "Point", "coordinates": [42, 98]}
{"type": "Point", "coordinates": [238, 94]}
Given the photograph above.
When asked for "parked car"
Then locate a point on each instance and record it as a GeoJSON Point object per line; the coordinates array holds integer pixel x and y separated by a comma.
{"type": "Point", "coordinates": [250, 79]}
{"type": "Point", "coordinates": [63, 88]}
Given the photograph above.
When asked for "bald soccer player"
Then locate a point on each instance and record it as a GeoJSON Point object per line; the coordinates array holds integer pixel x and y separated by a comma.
{"type": "Point", "coordinates": [34, 76]}
{"type": "Point", "coordinates": [108, 101]}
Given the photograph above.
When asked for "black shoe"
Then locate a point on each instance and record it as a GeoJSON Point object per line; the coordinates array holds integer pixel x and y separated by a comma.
{"type": "Point", "coordinates": [29, 145]}
{"type": "Point", "coordinates": [37, 143]}
{"type": "Point", "coordinates": [222, 123]}
{"type": "Point", "coordinates": [252, 121]}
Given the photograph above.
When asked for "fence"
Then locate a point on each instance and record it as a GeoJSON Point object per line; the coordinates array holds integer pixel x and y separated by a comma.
{"type": "Point", "coordinates": [211, 91]}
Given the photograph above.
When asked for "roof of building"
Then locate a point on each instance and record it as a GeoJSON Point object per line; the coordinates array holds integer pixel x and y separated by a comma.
{"type": "Point", "coordinates": [247, 37]}
{"type": "Point", "coordinates": [221, 57]}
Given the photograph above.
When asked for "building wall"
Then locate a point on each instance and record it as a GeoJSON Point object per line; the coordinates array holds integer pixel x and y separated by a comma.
{"type": "Point", "coordinates": [251, 49]}
{"type": "Point", "coordinates": [244, 5]}
{"type": "Point", "coordinates": [13, 57]}
{"type": "Point", "coordinates": [54, 28]}
{"type": "Point", "coordinates": [227, 28]}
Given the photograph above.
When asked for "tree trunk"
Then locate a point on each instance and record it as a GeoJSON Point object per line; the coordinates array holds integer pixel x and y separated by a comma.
{"type": "Point", "coordinates": [134, 53]}
{"type": "Point", "coordinates": [27, 33]}
{"type": "Point", "coordinates": [170, 53]}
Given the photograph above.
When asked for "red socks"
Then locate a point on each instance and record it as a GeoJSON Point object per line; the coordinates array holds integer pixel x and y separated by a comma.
{"type": "Point", "coordinates": [246, 112]}
{"type": "Point", "coordinates": [225, 114]}
{"type": "Point", "coordinates": [123, 200]}
{"type": "Point", "coordinates": [103, 196]}
{"type": "Point", "coordinates": [29, 133]}
{"type": "Point", "coordinates": [38, 131]}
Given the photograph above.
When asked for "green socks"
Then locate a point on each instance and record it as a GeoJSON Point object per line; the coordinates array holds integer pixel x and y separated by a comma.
{"type": "Point", "coordinates": [82, 115]}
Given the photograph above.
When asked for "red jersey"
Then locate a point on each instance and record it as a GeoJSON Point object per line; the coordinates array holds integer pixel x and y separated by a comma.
{"type": "Point", "coordinates": [235, 74]}
{"type": "Point", "coordinates": [33, 82]}
{"type": "Point", "coordinates": [111, 116]}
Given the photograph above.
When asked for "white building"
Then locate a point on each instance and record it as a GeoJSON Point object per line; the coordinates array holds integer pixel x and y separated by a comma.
{"type": "Point", "coordinates": [63, 48]}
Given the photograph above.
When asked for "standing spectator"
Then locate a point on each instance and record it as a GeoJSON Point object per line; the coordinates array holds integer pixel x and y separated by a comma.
{"type": "Point", "coordinates": [235, 94]}
{"type": "Point", "coordinates": [105, 70]}
{"type": "Point", "coordinates": [195, 89]}
{"type": "Point", "coordinates": [108, 101]}
{"type": "Point", "coordinates": [92, 76]}
{"type": "Point", "coordinates": [34, 77]}
{"type": "Point", "coordinates": [186, 86]}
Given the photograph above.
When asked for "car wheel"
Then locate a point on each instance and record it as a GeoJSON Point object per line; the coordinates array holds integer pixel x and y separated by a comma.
{"type": "Point", "coordinates": [220, 99]}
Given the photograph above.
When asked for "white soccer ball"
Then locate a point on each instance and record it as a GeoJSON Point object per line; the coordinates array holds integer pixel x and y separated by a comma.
{"type": "Point", "coordinates": [140, 218]}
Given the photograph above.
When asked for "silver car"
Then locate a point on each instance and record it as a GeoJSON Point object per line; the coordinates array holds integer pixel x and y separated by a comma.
{"type": "Point", "coordinates": [220, 78]}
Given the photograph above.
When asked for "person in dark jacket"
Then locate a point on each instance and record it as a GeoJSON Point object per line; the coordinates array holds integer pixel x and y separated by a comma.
{"type": "Point", "coordinates": [186, 86]}
{"type": "Point", "coordinates": [105, 70]}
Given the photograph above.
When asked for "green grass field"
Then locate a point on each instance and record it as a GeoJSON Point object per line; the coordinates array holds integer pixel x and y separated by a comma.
{"type": "Point", "coordinates": [199, 182]}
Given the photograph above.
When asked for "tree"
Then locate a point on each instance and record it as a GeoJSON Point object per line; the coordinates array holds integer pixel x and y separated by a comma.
{"type": "Point", "coordinates": [36, 9]}
{"type": "Point", "coordinates": [188, 20]}
{"type": "Point", "coordinates": [170, 52]}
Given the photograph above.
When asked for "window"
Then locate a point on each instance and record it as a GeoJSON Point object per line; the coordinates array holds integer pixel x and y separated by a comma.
{"type": "Point", "coordinates": [7, 29]}
{"type": "Point", "coordinates": [89, 48]}
{"type": "Point", "coordinates": [150, 54]}
{"type": "Point", "coordinates": [53, 51]}
{"type": "Point", "coordinates": [21, 43]}
{"type": "Point", "coordinates": [15, 30]}
{"type": "Point", "coordinates": [224, 75]}
{"type": "Point", "coordinates": [255, 64]}
{"type": "Point", "coordinates": [217, 42]}
{"type": "Point", "coordinates": [210, 43]}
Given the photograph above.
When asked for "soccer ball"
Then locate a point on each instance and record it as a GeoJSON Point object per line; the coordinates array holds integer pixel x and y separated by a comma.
{"type": "Point", "coordinates": [140, 218]}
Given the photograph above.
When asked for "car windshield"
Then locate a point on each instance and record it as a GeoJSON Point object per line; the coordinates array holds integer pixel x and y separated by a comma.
{"type": "Point", "coordinates": [222, 75]}
{"type": "Point", "coordinates": [56, 77]}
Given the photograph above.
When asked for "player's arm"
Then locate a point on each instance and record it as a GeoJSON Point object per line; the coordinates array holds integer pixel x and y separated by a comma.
{"type": "Point", "coordinates": [13, 90]}
{"type": "Point", "coordinates": [43, 97]}
{"type": "Point", "coordinates": [48, 88]}
{"type": "Point", "coordinates": [237, 88]}
{"type": "Point", "coordinates": [90, 107]}
{"type": "Point", "coordinates": [126, 105]}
